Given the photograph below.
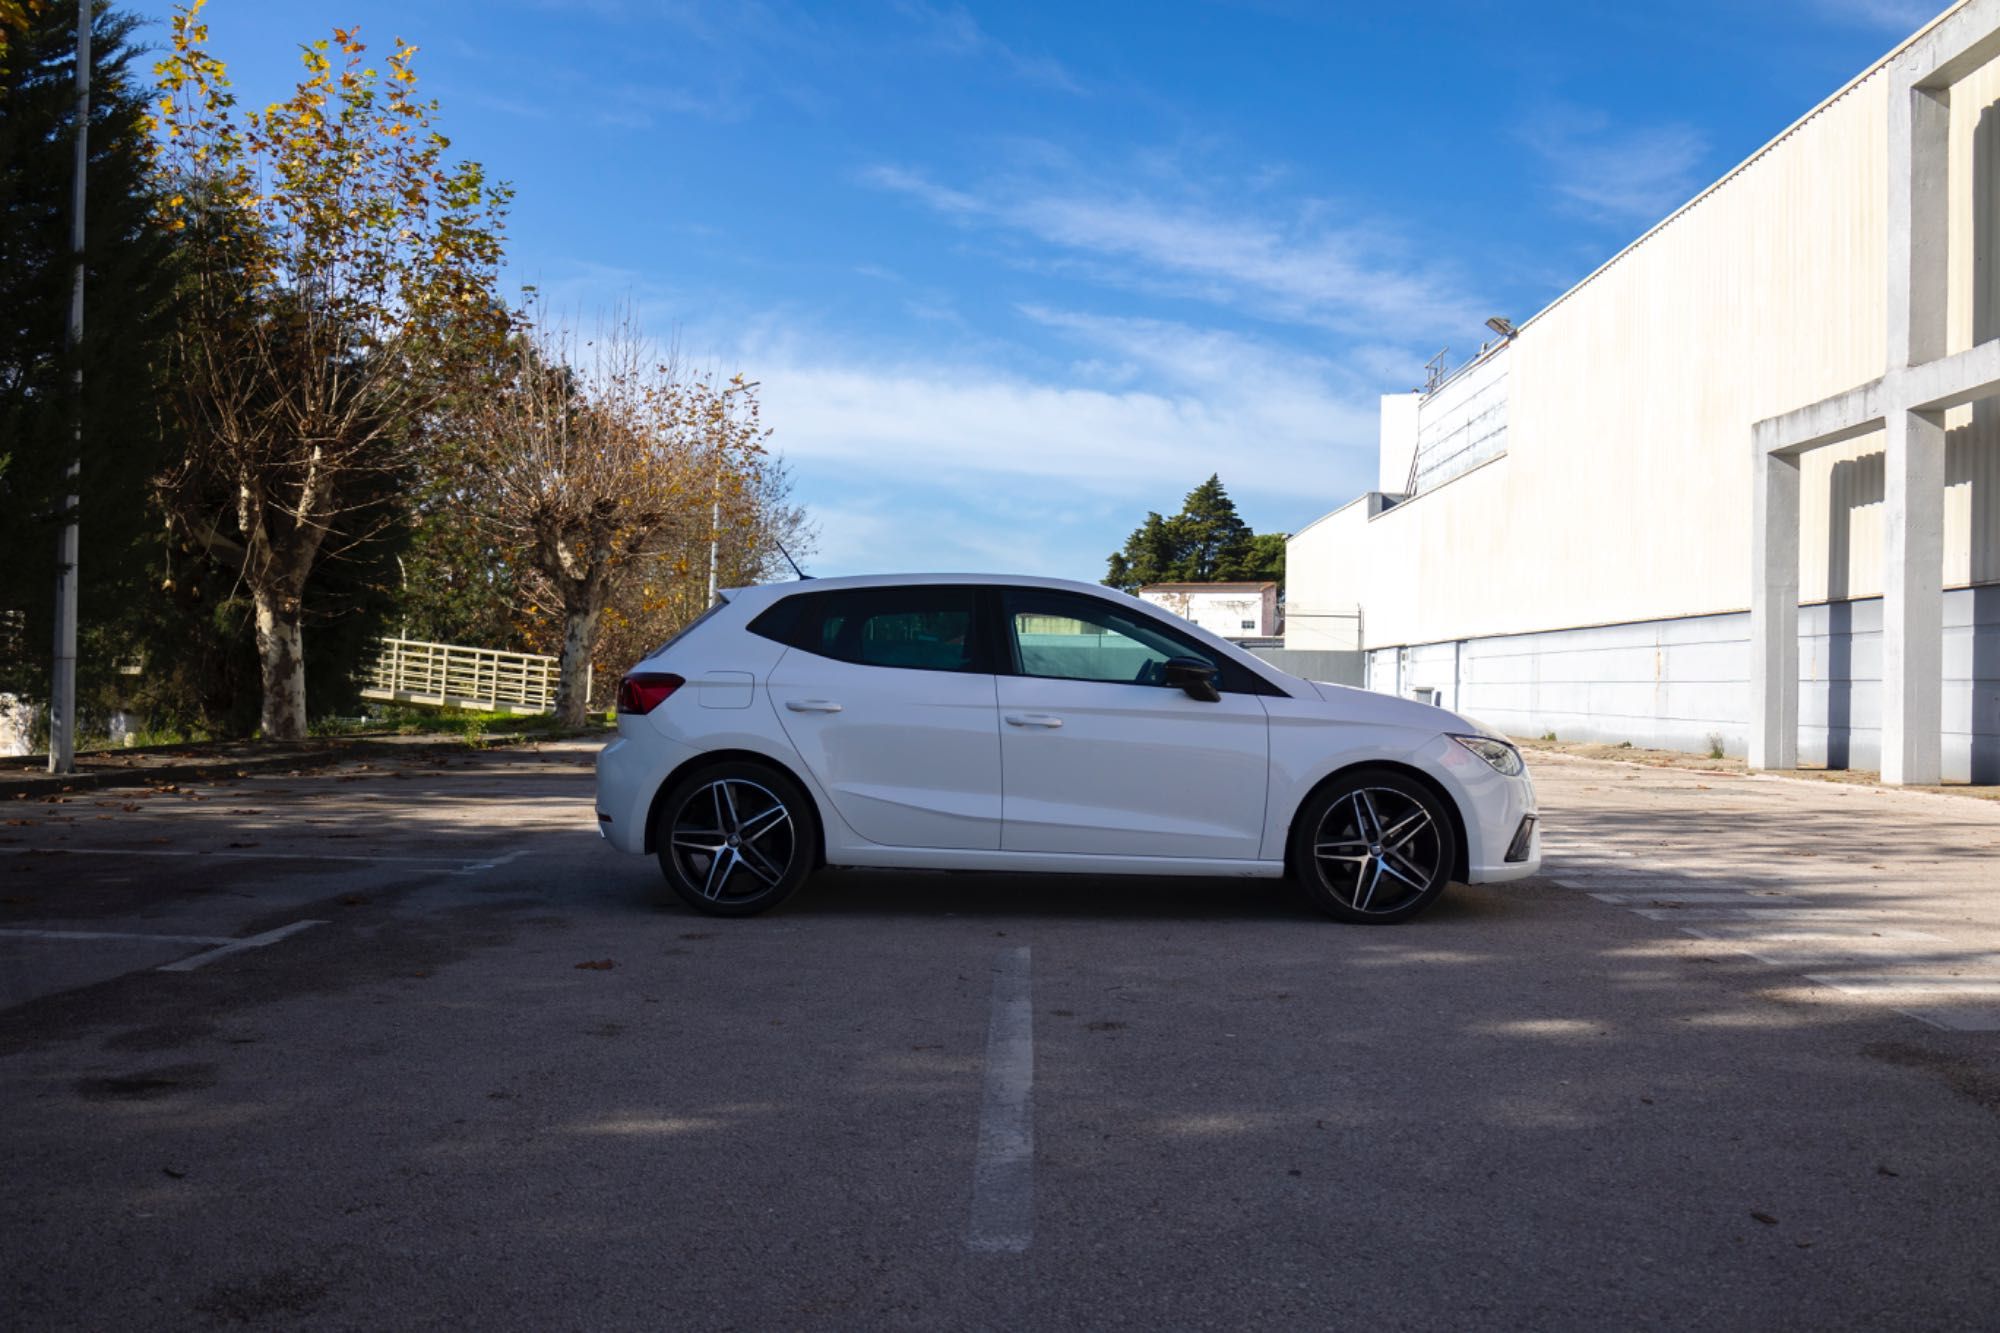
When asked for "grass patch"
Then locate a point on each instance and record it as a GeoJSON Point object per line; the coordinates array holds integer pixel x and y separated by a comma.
{"type": "Point", "coordinates": [471, 725]}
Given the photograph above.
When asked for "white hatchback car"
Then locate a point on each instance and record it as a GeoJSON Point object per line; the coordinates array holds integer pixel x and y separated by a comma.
{"type": "Point", "coordinates": [968, 722]}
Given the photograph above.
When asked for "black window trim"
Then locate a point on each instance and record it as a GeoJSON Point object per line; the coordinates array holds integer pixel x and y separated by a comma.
{"type": "Point", "coordinates": [993, 642]}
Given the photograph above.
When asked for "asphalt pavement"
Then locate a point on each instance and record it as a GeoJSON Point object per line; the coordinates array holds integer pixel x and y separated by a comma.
{"type": "Point", "coordinates": [433, 1054]}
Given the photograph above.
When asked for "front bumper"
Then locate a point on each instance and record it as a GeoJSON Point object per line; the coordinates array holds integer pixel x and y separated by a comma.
{"type": "Point", "coordinates": [1495, 807]}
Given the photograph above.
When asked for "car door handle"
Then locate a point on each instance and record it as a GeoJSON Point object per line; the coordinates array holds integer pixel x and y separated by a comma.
{"type": "Point", "coordinates": [812, 705]}
{"type": "Point", "coordinates": [1032, 720]}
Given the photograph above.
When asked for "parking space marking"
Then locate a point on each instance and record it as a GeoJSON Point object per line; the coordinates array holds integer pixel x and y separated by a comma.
{"type": "Point", "coordinates": [239, 946]}
{"type": "Point", "coordinates": [1782, 915]}
{"type": "Point", "coordinates": [1628, 899]}
{"type": "Point", "coordinates": [461, 863]}
{"type": "Point", "coordinates": [474, 867]}
{"type": "Point", "coordinates": [1003, 1172]}
{"type": "Point", "coordinates": [112, 935]}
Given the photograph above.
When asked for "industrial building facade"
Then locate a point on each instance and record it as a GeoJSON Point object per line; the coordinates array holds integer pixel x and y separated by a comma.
{"type": "Point", "coordinates": [1777, 399]}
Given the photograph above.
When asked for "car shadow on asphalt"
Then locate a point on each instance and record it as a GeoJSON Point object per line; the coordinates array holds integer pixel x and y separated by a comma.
{"type": "Point", "coordinates": [927, 893]}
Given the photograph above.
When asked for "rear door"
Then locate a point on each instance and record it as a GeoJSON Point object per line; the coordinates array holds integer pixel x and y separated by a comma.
{"type": "Point", "coordinates": [888, 696]}
{"type": "Point", "coordinates": [1098, 755]}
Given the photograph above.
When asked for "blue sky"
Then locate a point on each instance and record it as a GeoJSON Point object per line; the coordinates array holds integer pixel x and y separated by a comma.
{"type": "Point", "coordinates": [1012, 275]}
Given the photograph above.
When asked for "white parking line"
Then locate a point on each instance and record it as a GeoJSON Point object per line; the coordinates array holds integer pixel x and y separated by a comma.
{"type": "Point", "coordinates": [239, 946]}
{"type": "Point", "coordinates": [111, 935]}
{"type": "Point", "coordinates": [1797, 912]}
{"type": "Point", "coordinates": [1003, 1170]}
{"type": "Point", "coordinates": [473, 868]}
{"type": "Point", "coordinates": [1669, 896]}
{"type": "Point", "coordinates": [456, 862]}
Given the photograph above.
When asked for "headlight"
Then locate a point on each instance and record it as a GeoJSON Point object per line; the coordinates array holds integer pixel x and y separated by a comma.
{"type": "Point", "coordinates": [1505, 759]}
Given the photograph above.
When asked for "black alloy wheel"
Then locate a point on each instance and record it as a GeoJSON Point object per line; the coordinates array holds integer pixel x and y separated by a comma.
{"type": "Point", "coordinates": [736, 839]}
{"type": "Point", "coordinates": [1374, 847]}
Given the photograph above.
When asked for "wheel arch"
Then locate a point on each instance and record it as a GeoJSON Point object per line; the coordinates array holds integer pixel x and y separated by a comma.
{"type": "Point", "coordinates": [711, 758]}
{"type": "Point", "coordinates": [1461, 852]}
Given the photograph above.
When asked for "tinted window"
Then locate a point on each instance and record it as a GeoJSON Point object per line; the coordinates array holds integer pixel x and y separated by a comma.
{"type": "Point", "coordinates": [687, 629]}
{"type": "Point", "coordinates": [780, 620]}
{"type": "Point", "coordinates": [922, 628]}
{"type": "Point", "coordinates": [1067, 637]}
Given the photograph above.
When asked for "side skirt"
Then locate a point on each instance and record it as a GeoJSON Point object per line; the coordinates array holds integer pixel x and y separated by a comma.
{"type": "Point", "coordinates": [1061, 863]}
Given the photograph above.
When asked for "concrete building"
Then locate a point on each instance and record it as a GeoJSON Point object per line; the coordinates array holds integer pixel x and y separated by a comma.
{"type": "Point", "coordinates": [1231, 610]}
{"type": "Point", "coordinates": [1741, 485]}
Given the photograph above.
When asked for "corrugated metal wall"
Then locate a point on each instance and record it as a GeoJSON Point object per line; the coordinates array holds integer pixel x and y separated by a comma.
{"type": "Point", "coordinates": [1464, 423]}
{"type": "Point", "coordinates": [1679, 684]}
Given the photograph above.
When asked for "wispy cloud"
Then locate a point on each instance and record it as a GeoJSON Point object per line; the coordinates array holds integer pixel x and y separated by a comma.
{"type": "Point", "coordinates": [1616, 173]}
{"type": "Point", "coordinates": [992, 467]}
{"type": "Point", "coordinates": [953, 30]}
{"type": "Point", "coordinates": [1895, 15]}
{"type": "Point", "coordinates": [1288, 262]}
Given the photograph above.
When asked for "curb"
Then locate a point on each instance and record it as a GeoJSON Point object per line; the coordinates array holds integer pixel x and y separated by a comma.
{"type": "Point", "coordinates": [205, 770]}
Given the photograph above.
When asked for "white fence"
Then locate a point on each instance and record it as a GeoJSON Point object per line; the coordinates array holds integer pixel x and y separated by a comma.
{"type": "Point", "coordinates": [452, 675]}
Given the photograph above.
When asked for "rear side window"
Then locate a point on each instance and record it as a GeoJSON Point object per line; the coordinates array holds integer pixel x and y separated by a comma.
{"type": "Point", "coordinates": [689, 628]}
{"type": "Point", "coordinates": [926, 628]}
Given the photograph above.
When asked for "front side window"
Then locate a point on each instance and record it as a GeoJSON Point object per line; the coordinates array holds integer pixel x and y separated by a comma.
{"type": "Point", "coordinates": [922, 628]}
{"type": "Point", "coordinates": [1064, 636]}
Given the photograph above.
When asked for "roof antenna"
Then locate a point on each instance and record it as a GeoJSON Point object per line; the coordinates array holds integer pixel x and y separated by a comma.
{"type": "Point", "coordinates": [788, 559]}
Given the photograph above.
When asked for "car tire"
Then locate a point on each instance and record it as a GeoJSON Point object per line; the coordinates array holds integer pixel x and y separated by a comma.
{"type": "Point", "coordinates": [736, 838]}
{"type": "Point", "coordinates": [1373, 847]}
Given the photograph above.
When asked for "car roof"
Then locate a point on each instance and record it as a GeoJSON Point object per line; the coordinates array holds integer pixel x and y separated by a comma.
{"type": "Point", "coordinates": [758, 593]}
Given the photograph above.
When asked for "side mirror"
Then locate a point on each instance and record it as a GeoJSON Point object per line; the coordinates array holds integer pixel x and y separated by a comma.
{"type": "Point", "coordinates": [1194, 676]}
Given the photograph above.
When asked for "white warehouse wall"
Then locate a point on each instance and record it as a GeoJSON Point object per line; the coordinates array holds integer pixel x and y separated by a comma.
{"type": "Point", "coordinates": [1616, 520]}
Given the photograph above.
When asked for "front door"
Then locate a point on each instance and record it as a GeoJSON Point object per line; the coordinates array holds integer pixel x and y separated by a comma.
{"type": "Point", "coordinates": [1099, 755]}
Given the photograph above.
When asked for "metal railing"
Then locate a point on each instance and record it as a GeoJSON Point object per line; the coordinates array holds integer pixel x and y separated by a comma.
{"type": "Point", "coordinates": [450, 675]}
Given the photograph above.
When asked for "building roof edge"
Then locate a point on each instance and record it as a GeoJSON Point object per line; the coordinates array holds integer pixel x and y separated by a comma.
{"type": "Point", "coordinates": [1850, 86]}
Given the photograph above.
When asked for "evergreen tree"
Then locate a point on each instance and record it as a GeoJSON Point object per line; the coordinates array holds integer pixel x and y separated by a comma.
{"type": "Point", "coordinates": [1206, 542]}
{"type": "Point", "coordinates": [1213, 541]}
{"type": "Point", "coordinates": [128, 307]}
{"type": "Point", "coordinates": [1266, 563]}
{"type": "Point", "coordinates": [1150, 556]}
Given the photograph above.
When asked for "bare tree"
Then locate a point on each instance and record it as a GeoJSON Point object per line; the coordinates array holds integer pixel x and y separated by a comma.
{"type": "Point", "coordinates": [335, 268]}
{"type": "Point", "coordinates": [751, 512]}
{"type": "Point", "coordinates": [591, 463]}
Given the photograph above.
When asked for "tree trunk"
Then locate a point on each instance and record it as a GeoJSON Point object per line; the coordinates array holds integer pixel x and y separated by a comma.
{"type": "Point", "coordinates": [282, 658]}
{"type": "Point", "coordinates": [573, 673]}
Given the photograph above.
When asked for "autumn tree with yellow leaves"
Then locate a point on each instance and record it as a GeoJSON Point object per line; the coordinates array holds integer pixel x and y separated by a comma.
{"type": "Point", "coordinates": [340, 276]}
{"type": "Point", "coordinates": [596, 465]}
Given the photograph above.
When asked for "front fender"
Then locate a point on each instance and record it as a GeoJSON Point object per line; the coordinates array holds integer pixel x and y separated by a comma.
{"type": "Point", "coordinates": [1308, 749]}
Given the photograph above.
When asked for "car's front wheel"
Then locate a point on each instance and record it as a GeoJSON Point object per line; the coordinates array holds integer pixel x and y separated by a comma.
{"type": "Point", "coordinates": [1374, 847]}
{"type": "Point", "coordinates": [736, 839]}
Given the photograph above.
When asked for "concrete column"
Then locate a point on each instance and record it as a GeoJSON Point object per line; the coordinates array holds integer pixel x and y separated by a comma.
{"type": "Point", "coordinates": [1913, 598]}
{"type": "Point", "coordinates": [1774, 613]}
{"type": "Point", "coordinates": [1919, 223]}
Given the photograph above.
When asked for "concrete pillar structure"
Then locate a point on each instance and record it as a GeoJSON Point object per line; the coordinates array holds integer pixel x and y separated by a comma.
{"type": "Point", "coordinates": [1919, 384]}
{"type": "Point", "coordinates": [1774, 615]}
{"type": "Point", "coordinates": [1912, 598]}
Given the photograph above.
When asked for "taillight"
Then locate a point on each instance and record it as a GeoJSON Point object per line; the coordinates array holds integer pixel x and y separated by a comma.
{"type": "Point", "coordinates": [643, 691]}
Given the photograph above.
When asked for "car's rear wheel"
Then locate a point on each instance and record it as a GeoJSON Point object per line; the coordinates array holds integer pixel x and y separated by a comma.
{"type": "Point", "coordinates": [735, 839]}
{"type": "Point", "coordinates": [1374, 847]}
